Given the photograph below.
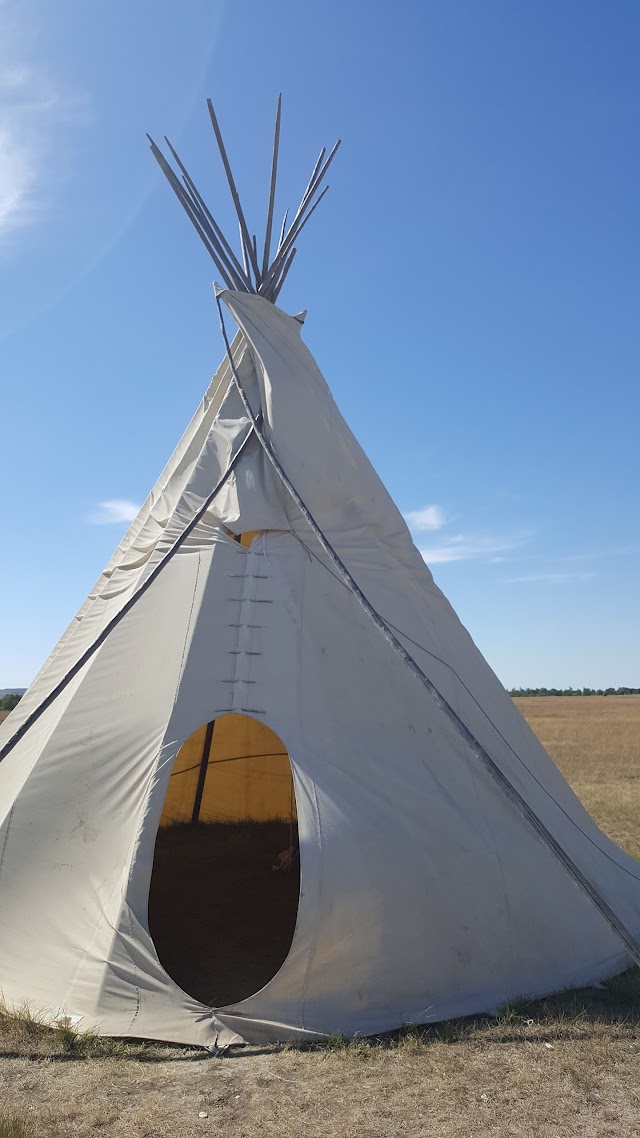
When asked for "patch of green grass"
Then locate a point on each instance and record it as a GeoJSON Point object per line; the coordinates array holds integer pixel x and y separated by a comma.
{"type": "Point", "coordinates": [513, 1009]}
{"type": "Point", "coordinates": [335, 1042]}
{"type": "Point", "coordinates": [12, 1126]}
{"type": "Point", "coordinates": [24, 1032]}
{"type": "Point", "coordinates": [79, 1044]}
{"type": "Point", "coordinates": [625, 987]}
{"type": "Point", "coordinates": [454, 1030]}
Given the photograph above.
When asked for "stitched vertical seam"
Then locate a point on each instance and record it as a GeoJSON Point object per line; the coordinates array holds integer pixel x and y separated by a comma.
{"type": "Point", "coordinates": [153, 775]}
{"type": "Point", "coordinates": [317, 825]}
{"type": "Point", "coordinates": [6, 837]}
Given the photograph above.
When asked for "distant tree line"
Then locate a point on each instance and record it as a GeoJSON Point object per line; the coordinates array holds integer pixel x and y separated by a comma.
{"type": "Point", "coordinates": [8, 702]}
{"type": "Point", "coordinates": [574, 691]}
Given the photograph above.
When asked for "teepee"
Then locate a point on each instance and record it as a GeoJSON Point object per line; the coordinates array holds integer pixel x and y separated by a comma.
{"type": "Point", "coordinates": [270, 582]}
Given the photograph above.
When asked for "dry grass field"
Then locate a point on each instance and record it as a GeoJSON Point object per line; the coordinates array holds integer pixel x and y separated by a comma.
{"type": "Point", "coordinates": [553, 1069]}
{"type": "Point", "coordinates": [595, 741]}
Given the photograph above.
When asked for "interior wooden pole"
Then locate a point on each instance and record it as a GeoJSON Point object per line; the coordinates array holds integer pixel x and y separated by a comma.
{"type": "Point", "coordinates": [204, 766]}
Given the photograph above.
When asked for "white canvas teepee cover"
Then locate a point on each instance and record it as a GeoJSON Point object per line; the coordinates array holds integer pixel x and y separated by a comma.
{"type": "Point", "coordinates": [425, 893]}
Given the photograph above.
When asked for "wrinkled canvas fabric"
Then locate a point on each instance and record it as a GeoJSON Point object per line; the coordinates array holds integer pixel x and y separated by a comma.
{"type": "Point", "coordinates": [424, 892]}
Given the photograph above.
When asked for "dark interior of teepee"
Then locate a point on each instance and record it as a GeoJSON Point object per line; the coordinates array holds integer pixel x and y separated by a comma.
{"type": "Point", "coordinates": [225, 886]}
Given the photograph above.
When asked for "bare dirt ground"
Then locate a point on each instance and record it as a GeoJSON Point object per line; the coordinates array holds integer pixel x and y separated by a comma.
{"type": "Point", "coordinates": [554, 1069]}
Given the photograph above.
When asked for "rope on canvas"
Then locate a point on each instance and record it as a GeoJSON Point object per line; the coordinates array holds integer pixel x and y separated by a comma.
{"type": "Point", "coordinates": [115, 620]}
{"type": "Point", "coordinates": [507, 787]}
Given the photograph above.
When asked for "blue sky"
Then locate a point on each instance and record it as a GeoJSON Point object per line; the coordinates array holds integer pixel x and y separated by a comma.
{"type": "Point", "coordinates": [472, 279]}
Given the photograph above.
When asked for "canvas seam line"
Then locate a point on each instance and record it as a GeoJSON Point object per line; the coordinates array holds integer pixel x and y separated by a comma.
{"type": "Point", "coordinates": [282, 495]}
{"type": "Point", "coordinates": [141, 589]}
{"type": "Point", "coordinates": [237, 630]}
{"type": "Point", "coordinates": [136, 970]}
{"type": "Point", "coordinates": [303, 596]}
{"type": "Point", "coordinates": [446, 664]}
{"type": "Point", "coordinates": [153, 775]}
{"type": "Point", "coordinates": [495, 770]}
{"type": "Point", "coordinates": [302, 735]}
{"type": "Point", "coordinates": [187, 631]}
{"type": "Point", "coordinates": [252, 657]}
{"type": "Point", "coordinates": [317, 823]}
{"type": "Point", "coordinates": [6, 836]}
{"type": "Point", "coordinates": [156, 765]}
{"type": "Point", "coordinates": [85, 955]}
{"type": "Point", "coordinates": [316, 931]}
{"type": "Point", "coordinates": [245, 601]}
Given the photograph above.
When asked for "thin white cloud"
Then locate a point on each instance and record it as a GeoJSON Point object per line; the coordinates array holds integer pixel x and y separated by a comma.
{"type": "Point", "coordinates": [599, 554]}
{"type": "Point", "coordinates": [427, 518]}
{"type": "Point", "coordinates": [463, 547]}
{"type": "Point", "coordinates": [588, 555]}
{"type": "Point", "coordinates": [553, 578]}
{"type": "Point", "coordinates": [114, 512]}
{"type": "Point", "coordinates": [17, 179]}
{"type": "Point", "coordinates": [33, 108]}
